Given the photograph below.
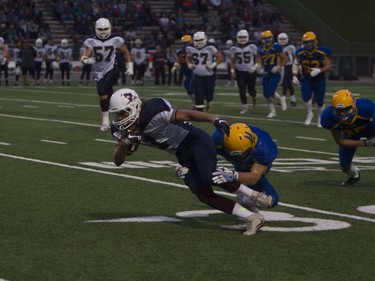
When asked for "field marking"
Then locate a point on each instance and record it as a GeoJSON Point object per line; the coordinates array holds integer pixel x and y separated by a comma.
{"type": "Point", "coordinates": [48, 120]}
{"type": "Point", "coordinates": [4, 143]}
{"type": "Point", "coordinates": [176, 185]}
{"type": "Point", "coordinates": [55, 142]}
{"type": "Point", "coordinates": [307, 138]}
{"type": "Point", "coordinates": [309, 151]}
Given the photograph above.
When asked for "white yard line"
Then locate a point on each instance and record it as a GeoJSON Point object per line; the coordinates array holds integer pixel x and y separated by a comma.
{"type": "Point", "coordinates": [173, 185]}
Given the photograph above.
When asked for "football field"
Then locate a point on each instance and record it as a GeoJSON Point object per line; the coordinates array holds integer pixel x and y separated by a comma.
{"type": "Point", "coordinates": [68, 213]}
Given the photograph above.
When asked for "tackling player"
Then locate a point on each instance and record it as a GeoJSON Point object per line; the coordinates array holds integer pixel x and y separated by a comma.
{"type": "Point", "coordinates": [315, 62]}
{"type": "Point", "coordinates": [157, 124]}
{"type": "Point", "coordinates": [100, 50]}
{"type": "Point", "coordinates": [352, 124]}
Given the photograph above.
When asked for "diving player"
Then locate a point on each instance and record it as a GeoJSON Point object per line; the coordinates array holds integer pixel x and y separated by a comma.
{"type": "Point", "coordinates": [272, 59]}
{"type": "Point", "coordinates": [100, 50]}
{"type": "Point", "coordinates": [157, 124]}
{"type": "Point", "coordinates": [314, 61]}
{"type": "Point", "coordinates": [352, 124]}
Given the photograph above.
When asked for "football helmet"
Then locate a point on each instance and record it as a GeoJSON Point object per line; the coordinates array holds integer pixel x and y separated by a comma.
{"type": "Point", "coordinates": [229, 43]}
{"type": "Point", "coordinates": [39, 43]}
{"type": "Point", "coordinates": [186, 39]}
{"type": "Point", "coordinates": [242, 36]}
{"type": "Point", "coordinates": [343, 104]}
{"type": "Point", "coordinates": [125, 107]}
{"type": "Point", "coordinates": [309, 40]}
{"type": "Point", "coordinates": [267, 37]}
{"type": "Point", "coordinates": [200, 39]}
{"type": "Point", "coordinates": [138, 42]}
{"type": "Point", "coordinates": [103, 28]}
{"type": "Point", "coordinates": [240, 142]}
{"type": "Point", "coordinates": [283, 39]}
{"type": "Point", "coordinates": [2, 40]}
{"type": "Point", "coordinates": [64, 43]}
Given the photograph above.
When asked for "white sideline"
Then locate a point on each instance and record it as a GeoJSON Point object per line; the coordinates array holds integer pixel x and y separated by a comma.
{"type": "Point", "coordinates": [176, 185]}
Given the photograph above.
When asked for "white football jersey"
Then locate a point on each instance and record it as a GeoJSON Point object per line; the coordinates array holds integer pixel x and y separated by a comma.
{"type": "Point", "coordinates": [201, 58]}
{"type": "Point", "coordinates": [104, 52]}
{"type": "Point", "coordinates": [64, 54]}
{"type": "Point", "coordinates": [290, 50]}
{"type": "Point", "coordinates": [40, 53]}
{"type": "Point", "coordinates": [16, 55]}
{"type": "Point", "coordinates": [139, 55]}
{"type": "Point", "coordinates": [244, 56]}
{"type": "Point", "coordinates": [51, 51]}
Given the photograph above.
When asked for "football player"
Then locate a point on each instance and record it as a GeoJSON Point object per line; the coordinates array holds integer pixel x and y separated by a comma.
{"type": "Point", "coordinates": [157, 124]}
{"type": "Point", "coordinates": [203, 57]}
{"type": "Point", "coordinates": [243, 66]}
{"type": "Point", "coordinates": [287, 74]}
{"type": "Point", "coordinates": [272, 59]}
{"type": "Point", "coordinates": [181, 65]}
{"type": "Point", "coordinates": [314, 62]}
{"type": "Point", "coordinates": [140, 58]}
{"type": "Point", "coordinates": [4, 57]}
{"type": "Point", "coordinates": [100, 50]}
{"type": "Point", "coordinates": [352, 124]}
{"type": "Point", "coordinates": [51, 64]}
{"type": "Point", "coordinates": [231, 81]}
{"type": "Point", "coordinates": [17, 62]}
{"type": "Point", "coordinates": [39, 59]}
{"type": "Point", "coordinates": [64, 54]}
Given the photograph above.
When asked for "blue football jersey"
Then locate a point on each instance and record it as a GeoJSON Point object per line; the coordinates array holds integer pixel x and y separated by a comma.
{"type": "Point", "coordinates": [312, 59]}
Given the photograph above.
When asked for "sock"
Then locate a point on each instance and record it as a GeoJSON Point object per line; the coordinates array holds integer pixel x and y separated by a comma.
{"type": "Point", "coordinates": [241, 211]}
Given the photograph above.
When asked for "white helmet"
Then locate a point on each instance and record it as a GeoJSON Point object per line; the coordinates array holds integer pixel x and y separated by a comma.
{"type": "Point", "coordinates": [64, 43]}
{"type": "Point", "coordinates": [39, 43]}
{"type": "Point", "coordinates": [125, 106]}
{"type": "Point", "coordinates": [199, 39]}
{"type": "Point", "coordinates": [103, 28]}
{"type": "Point", "coordinates": [229, 43]}
{"type": "Point", "coordinates": [282, 39]}
{"type": "Point", "coordinates": [242, 36]}
{"type": "Point", "coordinates": [138, 42]}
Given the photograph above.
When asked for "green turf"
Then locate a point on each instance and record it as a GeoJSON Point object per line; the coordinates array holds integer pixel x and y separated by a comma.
{"type": "Point", "coordinates": [48, 193]}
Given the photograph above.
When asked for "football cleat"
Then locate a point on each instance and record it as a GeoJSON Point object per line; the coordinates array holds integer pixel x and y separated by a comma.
{"type": "Point", "coordinates": [244, 111]}
{"type": "Point", "coordinates": [255, 222]}
{"type": "Point", "coordinates": [283, 103]}
{"type": "Point", "coordinates": [271, 114]}
{"type": "Point", "coordinates": [351, 181]}
{"type": "Point", "coordinates": [255, 102]}
{"type": "Point", "coordinates": [104, 127]}
{"type": "Point", "coordinates": [262, 199]}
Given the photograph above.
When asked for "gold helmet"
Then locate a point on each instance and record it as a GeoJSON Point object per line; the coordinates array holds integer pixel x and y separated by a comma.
{"type": "Point", "coordinates": [186, 39]}
{"type": "Point", "coordinates": [309, 40]}
{"type": "Point", "coordinates": [241, 140]}
{"type": "Point", "coordinates": [267, 37]}
{"type": "Point", "coordinates": [344, 105]}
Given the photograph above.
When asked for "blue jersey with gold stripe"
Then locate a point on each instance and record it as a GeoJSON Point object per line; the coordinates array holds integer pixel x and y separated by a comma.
{"type": "Point", "coordinates": [312, 59]}
{"type": "Point", "coordinates": [269, 56]}
{"type": "Point", "coordinates": [362, 124]}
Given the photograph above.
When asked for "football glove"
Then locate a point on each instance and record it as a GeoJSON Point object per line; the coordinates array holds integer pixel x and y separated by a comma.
{"type": "Point", "coordinates": [275, 69]}
{"type": "Point", "coordinates": [191, 66]}
{"type": "Point", "coordinates": [4, 61]}
{"type": "Point", "coordinates": [315, 71]}
{"type": "Point", "coordinates": [369, 142]}
{"type": "Point", "coordinates": [175, 67]}
{"type": "Point", "coordinates": [55, 65]}
{"type": "Point", "coordinates": [130, 137]}
{"type": "Point", "coordinates": [181, 171]}
{"type": "Point", "coordinates": [129, 69]}
{"type": "Point", "coordinates": [86, 60]}
{"type": "Point", "coordinates": [253, 68]}
{"type": "Point", "coordinates": [211, 66]}
{"type": "Point", "coordinates": [223, 175]}
{"type": "Point", "coordinates": [295, 80]}
{"type": "Point", "coordinates": [260, 70]}
{"type": "Point", "coordinates": [222, 125]}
